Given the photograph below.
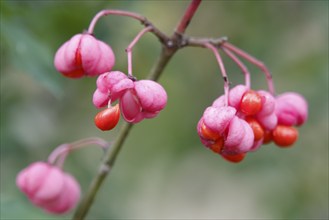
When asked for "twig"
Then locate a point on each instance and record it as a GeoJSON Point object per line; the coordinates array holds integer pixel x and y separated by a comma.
{"type": "Point", "coordinates": [243, 68]}
{"type": "Point", "coordinates": [131, 45]}
{"type": "Point", "coordinates": [254, 61]}
{"type": "Point", "coordinates": [222, 68]}
{"type": "Point", "coordinates": [161, 36]}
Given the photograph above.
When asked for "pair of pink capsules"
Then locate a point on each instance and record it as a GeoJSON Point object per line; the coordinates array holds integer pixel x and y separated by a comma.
{"type": "Point", "coordinates": [250, 119]}
{"type": "Point", "coordinates": [85, 55]}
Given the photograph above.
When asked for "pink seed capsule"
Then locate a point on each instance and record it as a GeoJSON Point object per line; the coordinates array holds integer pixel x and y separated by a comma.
{"type": "Point", "coordinates": [240, 137]}
{"type": "Point", "coordinates": [291, 109]}
{"type": "Point", "coordinates": [217, 119]}
{"type": "Point", "coordinates": [48, 187]}
{"type": "Point", "coordinates": [236, 94]}
{"type": "Point", "coordinates": [84, 55]}
{"type": "Point", "coordinates": [111, 86]}
{"type": "Point", "coordinates": [268, 103]}
{"type": "Point", "coordinates": [146, 100]}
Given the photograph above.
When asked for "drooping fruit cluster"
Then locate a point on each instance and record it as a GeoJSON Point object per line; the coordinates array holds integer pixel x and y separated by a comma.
{"type": "Point", "coordinates": [48, 187]}
{"type": "Point", "coordinates": [250, 119]}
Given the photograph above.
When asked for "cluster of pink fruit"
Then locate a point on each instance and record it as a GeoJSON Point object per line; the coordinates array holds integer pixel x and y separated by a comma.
{"type": "Point", "coordinates": [250, 119]}
{"type": "Point", "coordinates": [238, 122]}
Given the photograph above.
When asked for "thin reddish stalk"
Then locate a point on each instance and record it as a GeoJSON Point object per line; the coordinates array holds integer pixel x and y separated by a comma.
{"type": "Point", "coordinates": [184, 22]}
{"type": "Point", "coordinates": [113, 12]}
{"type": "Point", "coordinates": [57, 157]}
{"type": "Point", "coordinates": [243, 67]}
{"type": "Point", "coordinates": [132, 44]}
{"type": "Point", "coordinates": [254, 61]}
{"type": "Point", "coordinates": [222, 68]}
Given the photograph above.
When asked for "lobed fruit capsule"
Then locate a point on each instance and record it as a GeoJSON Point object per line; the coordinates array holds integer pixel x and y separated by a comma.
{"type": "Point", "coordinates": [84, 55]}
{"type": "Point", "coordinates": [108, 118]}
{"type": "Point", "coordinates": [284, 136]}
{"type": "Point", "coordinates": [251, 103]}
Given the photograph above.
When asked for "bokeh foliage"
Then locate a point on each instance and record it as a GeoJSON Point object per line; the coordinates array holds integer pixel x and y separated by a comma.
{"type": "Point", "coordinates": [163, 170]}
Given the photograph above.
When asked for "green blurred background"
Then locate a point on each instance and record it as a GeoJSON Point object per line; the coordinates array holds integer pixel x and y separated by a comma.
{"type": "Point", "coordinates": [163, 171]}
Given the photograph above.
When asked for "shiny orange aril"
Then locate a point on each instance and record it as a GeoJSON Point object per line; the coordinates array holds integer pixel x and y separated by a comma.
{"type": "Point", "coordinates": [208, 133]}
{"type": "Point", "coordinates": [75, 73]}
{"type": "Point", "coordinates": [108, 118]}
{"type": "Point", "coordinates": [217, 146]}
{"type": "Point", "coordinates": [251, 103]}
{"type": "Point", "coordinates": [267, 137]}
{"type": "Point", "coordinates": [234, 158]}
{"type": "Point", "coordinates": [256, 128]}
{"type": "Point", "coordinates": [284, 136]}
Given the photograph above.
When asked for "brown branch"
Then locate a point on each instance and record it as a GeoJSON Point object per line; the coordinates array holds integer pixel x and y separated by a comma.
{"type": "Point", "coordinates": [201, 42]}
